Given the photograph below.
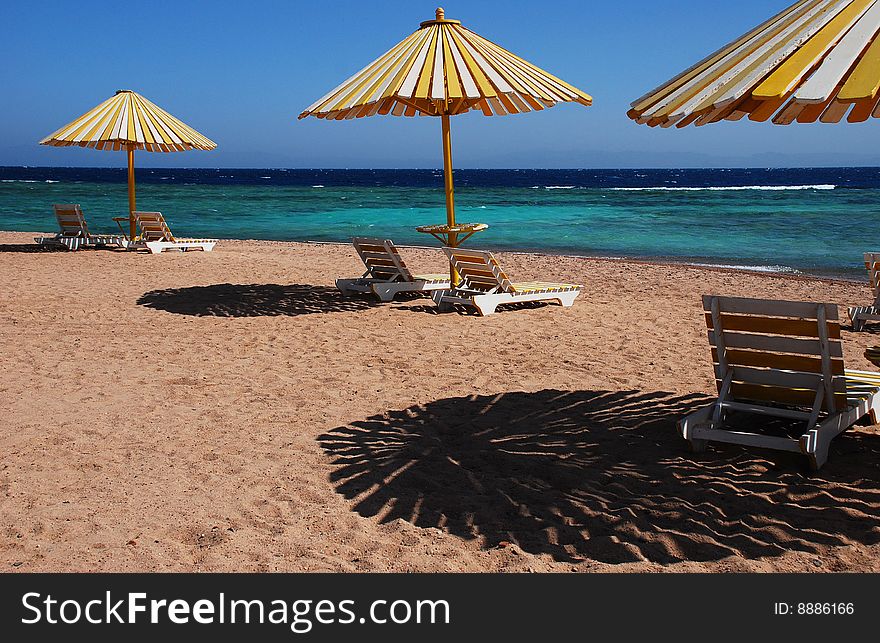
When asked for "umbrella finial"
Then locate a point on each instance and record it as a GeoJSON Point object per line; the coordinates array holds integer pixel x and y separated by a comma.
{"type": "Point", "coordinates": [123, 91]}
{"type": "Point", "coordinates": [439, 20]}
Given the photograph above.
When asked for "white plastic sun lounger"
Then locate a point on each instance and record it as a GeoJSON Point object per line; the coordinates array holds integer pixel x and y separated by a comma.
{"type": "Point", "coordinates": [75, 233]}
{"type": "Point", "coordinates": [861, 314]}
{"type": "Point", "coordinates": [387, 274]}
{"type": "Point", "coordinates": [484, 285]}
{"type": "Point", "coordinates": [156, 236]}
{"type": "Point", "coordinates": [782, 359]}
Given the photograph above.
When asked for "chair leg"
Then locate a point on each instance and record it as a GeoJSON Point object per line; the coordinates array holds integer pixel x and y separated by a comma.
{"type": "Point", "coordinates": [385, 292]}
{"type": "Point", "coordinates": [567, 299]}
{"type": "Point", "coordinates": [687, 424]}
{"type": "Point", "coordinates": [485, 304]}
{"type": "Point", "coordinates": [818, 458]}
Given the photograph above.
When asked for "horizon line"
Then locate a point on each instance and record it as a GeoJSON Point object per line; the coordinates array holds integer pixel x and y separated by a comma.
{"type": "Point", "coordinates": [440, 169]}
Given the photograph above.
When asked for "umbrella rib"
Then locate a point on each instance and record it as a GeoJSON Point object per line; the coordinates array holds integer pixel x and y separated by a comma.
{"type": "Point", "coordinates": [438, 75]}
{"type": "Point", "coordinates": [528, 70]}
{"type": "Point", "coordinates": [394, 73]}
{"type": "Point", "coordinates": [170, 136]}
{"type": "Point", "coordinates": [187, 135]}
{"type": "Point", "coordinates": [657, 94]}
{"type": "Point", "coordinates": [742, 78]}
{"type": "Point", "coordinates": [360, 87]}
{"type": "Point", "coordinates": [529, 81]}
{"type": "Point", "coordinates": [500, 84]}
{"type": "Point", "coordinates": [317, 106]}
{"type": "Point", "coordinates": [87, 124]}
{"type": "Point", "coordinates": [484, 86]}
{"type": "Point", "coordinates": [453, 82]}
{"type": "Point", "coordinates": [864, 81]}
{"type": "Point", "coordinates": [786, 76]}
{"type": "Point", "coordinates": [367, 84]}
{"type": "Point", "coordinates": [471, 90]}
{"type": "Point", "coordinates": [826, 80]}
{"type": "Point", "coordinates": [408, 86]}
{"type": "Point", "coordinates": [782, 43]}
{"type": "Point", "coordinates": [421, 90]}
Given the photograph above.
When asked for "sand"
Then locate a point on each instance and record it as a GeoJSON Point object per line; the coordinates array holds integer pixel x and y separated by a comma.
{"type": "Point", "coordinates": [229, 411]}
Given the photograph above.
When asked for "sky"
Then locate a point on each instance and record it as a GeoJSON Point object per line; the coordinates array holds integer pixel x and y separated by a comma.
{"type": "Point", "coordinates": [240, 73]}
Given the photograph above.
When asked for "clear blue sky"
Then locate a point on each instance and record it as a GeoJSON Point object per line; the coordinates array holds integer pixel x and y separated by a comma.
{"type": "Point", "coordinates": [240, 72]}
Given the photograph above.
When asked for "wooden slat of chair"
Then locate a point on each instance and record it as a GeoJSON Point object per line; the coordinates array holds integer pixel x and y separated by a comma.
{"type": "Point", "coordinates": [364, 246]}
{"type": "Point", "coordinates": [779, 395]}
{"type": "Point", "coordinates": [770, 308]}
{"type": "Point", "coordinates": [378, 257]}
{"type": "Point", "coordinates": [766, 359]}
{"type": "Point", "coordinates": [773, 325]}
{"type": "Point", "coordinates": [777, 344]}
{"type": "Point", "coordinates": [464, 253]}
{"type": "Point", "coordinates": [772, 377]}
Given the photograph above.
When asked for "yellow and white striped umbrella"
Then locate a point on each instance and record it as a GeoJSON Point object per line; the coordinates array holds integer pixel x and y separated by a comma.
{"type": "Point", "coordinates": [128, 121]}
{"type": "Point", "coordinates": [444, 69]}
{"type": "Point", "coordinates": [816, 60]}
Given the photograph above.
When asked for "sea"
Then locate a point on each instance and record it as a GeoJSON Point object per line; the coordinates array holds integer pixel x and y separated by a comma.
{"type": "Point", "coordinates": [815, 221]}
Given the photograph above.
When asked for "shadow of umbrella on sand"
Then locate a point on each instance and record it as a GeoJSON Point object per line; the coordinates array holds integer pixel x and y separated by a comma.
{"type": "Point", "coordinates": [597, 475]}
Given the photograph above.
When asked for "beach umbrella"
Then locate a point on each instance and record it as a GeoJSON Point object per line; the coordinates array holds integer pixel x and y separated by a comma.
{"type": "Point", "coordinates": [816, 60]}
{"type": "Point", "coordinates": [444, 69]}
{"type": "Point", "coordinates": [128, 121]}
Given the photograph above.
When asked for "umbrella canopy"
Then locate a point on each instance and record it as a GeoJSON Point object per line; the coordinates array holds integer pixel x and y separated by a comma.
{"type": "Point", "coordinates": [445, 68]}
{"type": "Point", "coordinates": [441, 70]}
{"type": "Point", "coordinates": [128, 121]}
{"type": "Point", "coordinates": [816, 60]}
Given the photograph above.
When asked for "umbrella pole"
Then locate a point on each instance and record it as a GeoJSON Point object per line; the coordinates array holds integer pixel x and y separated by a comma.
{"type": "Point", "coordinates": [451, 237]}
{"type": "Point", "coordinates": [132, 227]}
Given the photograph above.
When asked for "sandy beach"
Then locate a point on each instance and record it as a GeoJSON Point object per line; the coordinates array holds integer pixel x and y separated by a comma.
{"type": "Point", "coordinates": [230, 411]}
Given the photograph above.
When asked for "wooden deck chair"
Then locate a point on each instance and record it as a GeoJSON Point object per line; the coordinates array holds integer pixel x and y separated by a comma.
{"type": "Point", "coordinates": [861, 314]}
{"type": "Point", "coordinates": [155, 235]}
{"type": "Point", "coordinates": [484, 285]}
{"type": "Point", "coordinates": [387, 274]}
{"type": "Point", "coordinates": [781, 359]}
{"type": "Point", "coordinates": [75, 233]}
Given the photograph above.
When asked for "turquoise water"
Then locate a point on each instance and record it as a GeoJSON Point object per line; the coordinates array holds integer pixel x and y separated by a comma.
{"type": "Point", "coordinates": [814, 221]}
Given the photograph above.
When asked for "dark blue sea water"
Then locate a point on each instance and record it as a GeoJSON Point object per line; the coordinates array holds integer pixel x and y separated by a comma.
{"type": "Point", "coordinates": [816, 220]}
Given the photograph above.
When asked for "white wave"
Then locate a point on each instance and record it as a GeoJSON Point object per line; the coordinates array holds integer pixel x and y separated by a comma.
{"type": "Point", "coordinates": [27, 181]}
{"type": "Point", "coordinates": [731, 188]}
{"type": "Point", "coordinates": [265, 177]}
{"type": "Point", "coordinates": [559, 187]}
{"type": "Point", "coordinates": [777, 269]}
{"type": "Point", "coordinates": [317, 186]}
